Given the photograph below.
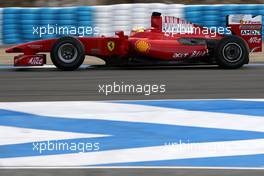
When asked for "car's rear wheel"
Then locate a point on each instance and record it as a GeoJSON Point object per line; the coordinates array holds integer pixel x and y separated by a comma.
{"type": "Point", "coordinates": [67, 53]}
{"type": "Point", "coordinates": [231, 52]}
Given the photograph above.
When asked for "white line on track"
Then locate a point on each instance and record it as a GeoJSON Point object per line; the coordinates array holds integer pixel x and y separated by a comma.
{"type": "Point", "coordinates": [138, 113]}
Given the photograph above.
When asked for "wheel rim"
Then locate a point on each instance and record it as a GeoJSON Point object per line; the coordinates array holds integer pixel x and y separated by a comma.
{"type": "Point", "coordinates": [232, 52]}
{"type": "Point", "coordinates": [67, 53]}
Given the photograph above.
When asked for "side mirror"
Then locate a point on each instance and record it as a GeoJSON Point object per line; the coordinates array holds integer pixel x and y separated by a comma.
{"type": "Point", "coordinates": [120, 34]}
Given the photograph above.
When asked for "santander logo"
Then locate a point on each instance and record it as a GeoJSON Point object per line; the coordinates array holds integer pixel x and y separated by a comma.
{"type": "Point", "coordinates": [36, 60]}
{"type": "Point", "coordinates": [254, 40]}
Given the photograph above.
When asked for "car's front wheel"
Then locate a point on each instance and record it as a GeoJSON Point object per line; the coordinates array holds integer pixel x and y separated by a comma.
{"type": "Point", "coordinates": [231, 52]}
{"type": "Point", "coordinates": [67, 53]}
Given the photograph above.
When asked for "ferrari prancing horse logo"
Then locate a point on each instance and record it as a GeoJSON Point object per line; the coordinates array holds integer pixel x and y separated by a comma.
{"type": "Point", "coordinates": [111, 45]}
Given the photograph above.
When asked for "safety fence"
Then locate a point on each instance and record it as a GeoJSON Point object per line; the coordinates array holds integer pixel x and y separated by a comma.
{"type": "Point", "coordinates": [18, 25]}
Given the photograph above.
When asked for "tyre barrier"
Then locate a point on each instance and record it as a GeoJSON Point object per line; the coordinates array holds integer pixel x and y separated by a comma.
{"type": "Point", "coordinates": [1, 25]}
{"type": "Point", "coordinates": [103, 19]}
{"type": "Point", "coordinates": [10, 31]}
{"type": "Point", "coordinates": [16, 24]}
{"type": "Point", "coordinates": [85, 18]}
{"type": "Point", "coordinates": [215, 15]}
{"type": "Point", "coordinates": [19, 25]}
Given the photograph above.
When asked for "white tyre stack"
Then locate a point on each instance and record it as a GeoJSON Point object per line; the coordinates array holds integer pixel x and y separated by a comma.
{"type": "Point", "coordinates": [157, 7]}
{"type": "Point", "coordinates": [121, 17]}
{"type": "Point", "coordinates": [125, 17]}
{"type": "Point", "coordinates": [103, 20]}
{"type": "Point", "coordinates": [176, 10]}
{"type": "Point", "coordinates": [140, 16]}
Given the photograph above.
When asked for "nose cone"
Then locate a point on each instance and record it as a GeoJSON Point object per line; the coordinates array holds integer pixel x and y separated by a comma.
{"type": "Point", "coordinates": [9, 50]}
{"type": "Point", "coordinates": [14, 49]}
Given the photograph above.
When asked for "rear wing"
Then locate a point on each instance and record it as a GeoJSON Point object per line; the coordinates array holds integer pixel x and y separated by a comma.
{"type": "Point", "coordinates": [171, 24]}
{"type": "Point", "coordinates": [249, 28]}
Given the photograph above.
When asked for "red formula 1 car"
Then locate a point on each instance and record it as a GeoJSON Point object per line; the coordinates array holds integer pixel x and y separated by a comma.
{"type": "Point", "coordinates": [169, 41]}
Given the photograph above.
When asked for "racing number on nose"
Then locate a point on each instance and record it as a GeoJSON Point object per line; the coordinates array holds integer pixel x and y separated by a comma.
{"type": "Point", "coordinates": [111, 45]}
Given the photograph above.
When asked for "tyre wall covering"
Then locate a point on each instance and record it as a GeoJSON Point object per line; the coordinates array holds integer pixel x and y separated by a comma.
{"type": "Point", "coordinates": [215, 15]}
{"type": "Point", "coordinates": [128, 16]}
{"type": "Point", "coordinates": [16, 24]}
{"type": "Point", "coordinates": [1, 26]}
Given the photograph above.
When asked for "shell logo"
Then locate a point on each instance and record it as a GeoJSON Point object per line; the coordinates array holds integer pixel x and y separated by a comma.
{"type": "Point", "coordinates": [142, 46]}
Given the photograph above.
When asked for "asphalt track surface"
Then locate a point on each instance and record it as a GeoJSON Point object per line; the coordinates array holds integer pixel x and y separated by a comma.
{"type": "Point", "coordinates": [202, 82]}
{"type": "Point", "coordinates": [49, 84]}
{"type": "Point", "coordinates": [130, 172]}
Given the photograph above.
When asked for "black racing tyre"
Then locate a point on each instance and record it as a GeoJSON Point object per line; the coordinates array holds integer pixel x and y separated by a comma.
{"type": "Point", "coordinates": [231, 52]}
{"type": "Point", "coordinates": [67, 53]}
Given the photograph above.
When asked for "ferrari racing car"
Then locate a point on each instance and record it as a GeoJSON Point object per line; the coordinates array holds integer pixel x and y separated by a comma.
{"type": "Point", "coordinates": [169, 41]}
